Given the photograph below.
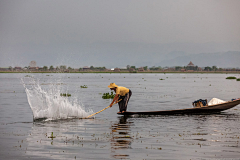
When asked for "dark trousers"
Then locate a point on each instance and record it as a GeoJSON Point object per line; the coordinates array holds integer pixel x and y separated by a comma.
{"type": "Point", "coordinates": [124, 101]}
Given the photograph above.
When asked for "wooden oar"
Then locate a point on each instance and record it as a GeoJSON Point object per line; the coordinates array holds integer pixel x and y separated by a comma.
{"type": "Point", "coordinates": [98, 111]}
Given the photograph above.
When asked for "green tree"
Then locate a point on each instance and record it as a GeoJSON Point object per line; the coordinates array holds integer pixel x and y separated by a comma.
{"type": "Point", "coordinates": [178, 68]}
{"type": "Point", "coordinates": [51, 68]}
{"type": "Point", "coordinates": [45, 68]}
{"type": "Point", "coordinates": [145, 68]}
{"type": "Point", "coordinates": [159, 68]}
{"type": "Point", "coordinates": [63, 67]}
{"type": "Point", "coordinates": [10, 68]}
{"type": "Point", "coordinates": [214, 68]}
{"type": "Point", "coordinates": [102, 68]}
{"type": "Point", "coordinates": [133, 67]}
{"type": "Point", "coordinates": [208, 68]}
{"type": "Point", "coordinates": [153, 68]}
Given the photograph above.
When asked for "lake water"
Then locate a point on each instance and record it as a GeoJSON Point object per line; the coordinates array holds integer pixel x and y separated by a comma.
{"type": "Point", "coordinates": [108, 135]}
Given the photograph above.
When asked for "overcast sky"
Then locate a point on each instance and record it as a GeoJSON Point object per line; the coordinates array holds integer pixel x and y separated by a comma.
{"type": "Point", "coordinates": [29, 28]}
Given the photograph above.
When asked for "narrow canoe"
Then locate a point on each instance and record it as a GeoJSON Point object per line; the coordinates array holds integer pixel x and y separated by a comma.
{"type": "Point", "coordinates": [203, 110]}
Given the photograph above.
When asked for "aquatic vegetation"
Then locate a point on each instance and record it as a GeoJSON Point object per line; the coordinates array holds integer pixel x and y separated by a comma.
{"type": "Point", "coordinates": [231, 78]}
{"type": "Point", "coordinates": [28, 76]}
{"type": "Point", "coordinates": [161, 79]}
{"type": "Point", "coordinates": [108, 96]}
{"type": "Point", "coordinates": [52, 136]}
{"type": "Point", "coordinates": [84, 86]}
{"type": "Point", "coordinates": [238, 79]}
{"type": "Point", "coordinates": [199, 134]}
{"type": "Point", "coordinates": [65, 94]}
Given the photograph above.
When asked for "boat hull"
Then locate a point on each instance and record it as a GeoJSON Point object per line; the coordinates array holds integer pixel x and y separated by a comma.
{"type": "Point", "coordinates": [203, 110]}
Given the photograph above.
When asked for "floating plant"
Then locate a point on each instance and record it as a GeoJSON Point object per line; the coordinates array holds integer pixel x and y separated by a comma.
{"type": "Point", "coordinates": [84, 86]}
{"type": "Point", "coordinates": [108, 96]}
{"type": "Point", "coordinates": [65, 94]}
{"type": "Point", "coordinates": [231, 78]}
{"type": "Point", "coordinates": [52, 136]}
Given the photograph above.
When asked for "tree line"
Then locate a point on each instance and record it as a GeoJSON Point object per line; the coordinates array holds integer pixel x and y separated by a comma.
{"type": "Point", "coordinates": [128, 68]}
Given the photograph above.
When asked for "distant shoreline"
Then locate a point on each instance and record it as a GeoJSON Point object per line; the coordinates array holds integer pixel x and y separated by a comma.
{"type": "Point", "coordinates": [201, 72]}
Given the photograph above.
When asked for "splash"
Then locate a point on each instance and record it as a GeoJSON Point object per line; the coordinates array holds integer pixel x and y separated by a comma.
{"type": "Point", "coordinates": [46, 103]}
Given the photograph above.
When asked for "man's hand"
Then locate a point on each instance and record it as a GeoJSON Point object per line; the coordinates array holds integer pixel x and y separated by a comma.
{"type": "Point", "coordinates": [114, 100]}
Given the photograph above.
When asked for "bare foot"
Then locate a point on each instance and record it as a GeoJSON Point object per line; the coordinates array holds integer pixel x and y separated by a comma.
{"type": "Point", "coordinates": [121, 112]}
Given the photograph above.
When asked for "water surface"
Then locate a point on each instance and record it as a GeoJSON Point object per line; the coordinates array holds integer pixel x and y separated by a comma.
{"type": "Point", "coordinates": [108, 135]}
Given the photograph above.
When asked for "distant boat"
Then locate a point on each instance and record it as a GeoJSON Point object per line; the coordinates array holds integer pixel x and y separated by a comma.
{"type": "Point", "coordinates": [202, 110]}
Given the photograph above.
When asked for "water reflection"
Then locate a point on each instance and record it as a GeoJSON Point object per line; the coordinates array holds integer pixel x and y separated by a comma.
{"type": "Point", "coordinates": [59, 139]}
{"type": "Point", "coordinates": [121, 138]}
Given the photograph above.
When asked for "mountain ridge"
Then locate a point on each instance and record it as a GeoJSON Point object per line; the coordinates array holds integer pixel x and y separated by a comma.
{"type": "Point", "coordinates": [220, 59]}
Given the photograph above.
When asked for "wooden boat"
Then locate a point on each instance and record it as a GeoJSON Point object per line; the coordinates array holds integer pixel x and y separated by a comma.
{"type": "Point", "coordinates": [202, 110]}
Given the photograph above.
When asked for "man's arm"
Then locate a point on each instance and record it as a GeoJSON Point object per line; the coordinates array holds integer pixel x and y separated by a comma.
{"type": "Point", "coordinates": [115, 99]}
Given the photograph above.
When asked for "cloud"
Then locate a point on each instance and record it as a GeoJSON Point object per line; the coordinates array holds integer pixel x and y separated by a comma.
{"type": "Point", "coordinates": [39, 27]}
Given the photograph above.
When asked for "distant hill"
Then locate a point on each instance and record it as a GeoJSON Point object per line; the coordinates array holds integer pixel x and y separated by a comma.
{"type": "Point", "coordinates": [173, 54]}
{"type": "Point", "coordinates": [111, 55]}
{"type": "Point", "coordinates": [220, 59]}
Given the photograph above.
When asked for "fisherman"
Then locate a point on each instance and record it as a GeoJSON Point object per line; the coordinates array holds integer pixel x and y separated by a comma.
{"type": "Point", "coordinates": [123, 95]}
